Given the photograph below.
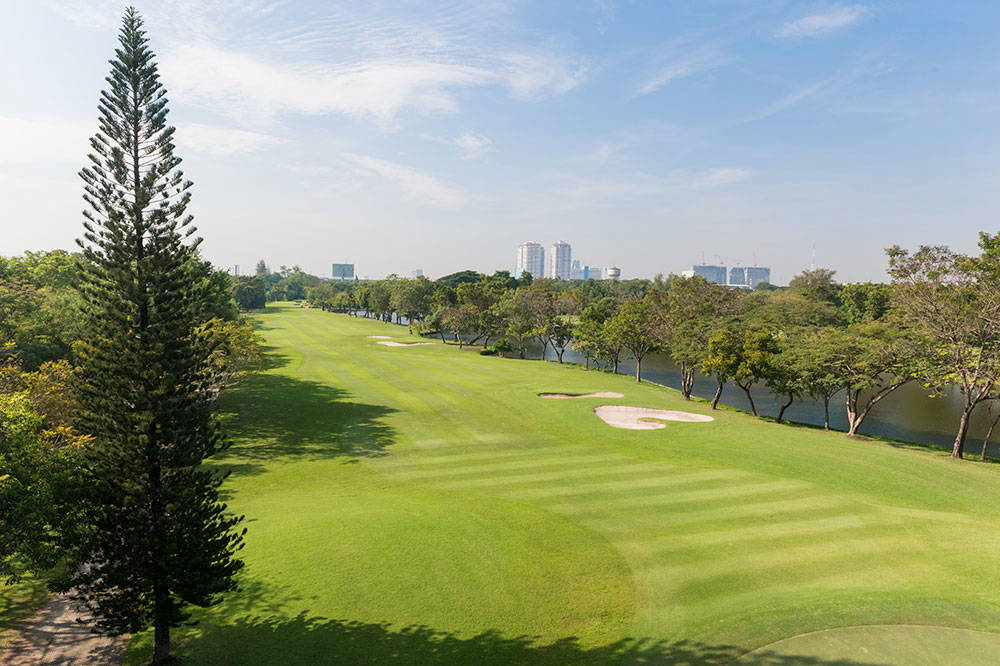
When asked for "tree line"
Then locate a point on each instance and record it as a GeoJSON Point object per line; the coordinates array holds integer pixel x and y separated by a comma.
{"type": "Point", "coordinates": [937, 322]}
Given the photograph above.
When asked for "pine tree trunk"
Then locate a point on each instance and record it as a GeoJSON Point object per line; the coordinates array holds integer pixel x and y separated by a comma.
{"type": "Point", "coordinates": [718, 394]}
{"type": "Point", "coordinates": [826, 412]}
{"type": "Point", "coordinates": [161, 646]}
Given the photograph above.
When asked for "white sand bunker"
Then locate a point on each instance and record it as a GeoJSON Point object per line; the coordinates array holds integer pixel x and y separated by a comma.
{"type": "Point", "coordinates": [390, 343]}
{"type": "Point", "coordinates": [380, 337]}
{"type": "Point", "coordinates": [635, 418]}
{"type": "Point", "coordinates": [564, 396]}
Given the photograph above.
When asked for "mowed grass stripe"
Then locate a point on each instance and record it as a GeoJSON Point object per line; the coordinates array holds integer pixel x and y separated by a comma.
{"type": "Point", "coordinates": [568, 462]}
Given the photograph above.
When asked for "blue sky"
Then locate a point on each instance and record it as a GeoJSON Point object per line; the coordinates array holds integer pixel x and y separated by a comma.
{"type": "Point", "coordinates": [403, 135]}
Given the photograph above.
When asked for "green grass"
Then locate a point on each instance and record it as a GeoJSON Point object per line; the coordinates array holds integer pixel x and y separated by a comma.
{"type": "Point", "coordinates": [422, 505]}
{"type": "Point", "coordinates": [17, 602]}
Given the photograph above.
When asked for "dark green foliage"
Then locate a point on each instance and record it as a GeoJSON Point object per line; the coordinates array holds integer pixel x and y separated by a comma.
{"type": "Point", "coordinates": [454, 279]}
{"type": "Point", "coordinates": [250, 293]}
{"type": "Point", "coordinates": [864, 301]}
{"type": "Point", "coordinates": [156, 538]}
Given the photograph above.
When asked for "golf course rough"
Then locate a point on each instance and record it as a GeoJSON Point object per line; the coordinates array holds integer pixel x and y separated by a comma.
{"type": "Point", "coordinates": [427, 507]}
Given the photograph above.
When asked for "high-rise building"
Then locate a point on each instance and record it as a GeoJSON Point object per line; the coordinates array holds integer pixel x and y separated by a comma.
{"type": "Point", "coordinates": [716, 274]}
{"type": "Point", "coordinates": [614, 274]}
{"type": "Point", "coordinates": [595, 273]}
{"type": "Point", "coordinates": [561, 261]}
{"type": "Point", "coordinates": [757, 274]}
{"type": "Point", "coordinates": [342, 272]}
{"type": "Point", "coordinates": [738, 276]}
{"type": "Point", "coordinates": [418, 272]}
{"type": "Point", "coordinates": [576, 270]}
{"type": "Point", "coordinates": [530, 259]}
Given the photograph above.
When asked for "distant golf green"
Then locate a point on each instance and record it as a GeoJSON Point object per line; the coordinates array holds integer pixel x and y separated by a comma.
{"type": "Point", "coordinates": [423, 505]}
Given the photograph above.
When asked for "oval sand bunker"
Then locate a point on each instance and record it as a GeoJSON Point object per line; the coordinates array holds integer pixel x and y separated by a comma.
{"type": "Point", "coordinates": [564, 396]}
{"type": "Point", "coordinates": [634, 418]}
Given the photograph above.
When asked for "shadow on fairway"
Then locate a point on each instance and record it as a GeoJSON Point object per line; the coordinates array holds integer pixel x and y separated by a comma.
{"type": "Point", "coordinates": [311, 640]}
{"type": "Point", "coordinates": [272, 417]}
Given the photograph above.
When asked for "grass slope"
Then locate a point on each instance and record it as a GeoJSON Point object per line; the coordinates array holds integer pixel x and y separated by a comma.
{"type": "Point", "coordinates": [422, 505]}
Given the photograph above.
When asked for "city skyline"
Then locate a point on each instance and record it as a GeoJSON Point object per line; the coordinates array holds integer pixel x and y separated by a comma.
{"type": "Point", "coordinates": [309, 126]}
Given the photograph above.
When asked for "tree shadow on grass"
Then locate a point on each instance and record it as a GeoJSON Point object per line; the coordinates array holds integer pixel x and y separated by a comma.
{"type": "Point", "coordinates": [304, 639]}
{"type": "Point", "coordinates": [271, 417]}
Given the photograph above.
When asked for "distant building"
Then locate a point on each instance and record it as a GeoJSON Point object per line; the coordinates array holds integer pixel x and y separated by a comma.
{"type": "Point", "coordinates": [342, 272]}
{"type": "Point", "coordinates": [561, 261]}
{"type": "Point", "coordinates": [614, 274]}
{"type": "Point", "coordinates": [687, 274]}
{"type": "Point", "coordinates": [716, 274]}
{"type": "Point", "coordinates": [738, 276]}
{"type": "Point", "coordinates": [757, 274]}
{"type": "Point", "coordinates": [530, 259]}
{"type": "Point", "coordinates": [418, 272]}
{"type": "Point", "coordinates": [594, 273]}
{"type": "Point", "coordinates": [576, 270]}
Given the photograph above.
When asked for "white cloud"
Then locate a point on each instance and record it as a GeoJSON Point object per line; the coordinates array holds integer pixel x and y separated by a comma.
{"type": "Point", "coordinates": [44, 140]}
{"type": "Point", "coordinates": [718, 178]}
{"type": "Point", "coordinates": [241, 85]}
{"type": "Point", "coordinates": [49, 140]}
{"type": "Point", "coordinates": [839, 16]}
{"type": "Point", "coordinates": [473, 145]}
{"type": "Point", "coordinates": [685, 64]}
{"type": "Point", "coordinates": [413, 184]}
{"type": "Point", "coordinates": [469, 144]}
{"type": "Point", "coordinates": [84, 14]}
{"type": "Point", "coordinates": [535, 74]}
{"type": "Point", "coordinates": [219, 141]}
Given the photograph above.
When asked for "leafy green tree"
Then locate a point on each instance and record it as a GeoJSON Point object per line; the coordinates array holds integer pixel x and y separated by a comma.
{"type": "Point", "coordinates": [34, 476]}
{"type": "Point", "coordinates": [261, 268]}
{"type": "Point", "coordinates": [249, 293]}
{"type": "Point", "coordinates": [953, 299]}
{"type": "Point", "coordinates": [413, 299]}
{"type": "Point", "coordinates": [817, 284]}
{"type": "Point", "coordinates": [870, 361]}
{"type": "Point", "coordinates": [742, 355]}
{"type": "Point", "coordinates": [155, 539]}
{"type": "Point", "coordinates": [688, 311]}
{"type": "Point", "coordinates": [864, 301]}
{"type": "Point", "coordinates": [633, 325]}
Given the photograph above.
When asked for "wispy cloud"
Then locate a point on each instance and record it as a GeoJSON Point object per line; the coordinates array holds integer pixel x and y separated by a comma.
{"type": "Point", "coordinates": [220, 141]}
{"type": "Point", "coordinates": [470, 145]}
{"type": "Point", "coordinates": [683, 61]}
{"type": "Point", "coordinates": [50, 140]}
{"type": "Point", "coordinates": [837, 17]}
{"type": "Point", "coordinates": [717, 178]}
{"type": "Point", "coordinates": [244, 86]}
{"type": "Point", "coordinates": [413, 184]}
{"type": "Point", "coordinates": [260, 59]}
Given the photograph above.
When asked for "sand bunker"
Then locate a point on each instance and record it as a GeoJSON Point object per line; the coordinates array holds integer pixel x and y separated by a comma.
{"type": "Point", "coordinates": [563, 396]}
{"type": "Point", "coordinates": [390, 343]}
{"type": "Point", "coordinates": [634, 418]}
{"type": "Point", "coordinates": [380, 337]}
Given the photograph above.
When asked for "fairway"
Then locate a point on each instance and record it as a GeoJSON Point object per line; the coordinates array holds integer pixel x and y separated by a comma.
{"type": "Point", "coordinates": [423, 505]}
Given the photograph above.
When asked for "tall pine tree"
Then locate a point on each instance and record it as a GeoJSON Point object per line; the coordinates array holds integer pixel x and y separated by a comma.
{"type": "Point", "coordinates": [155, 538]}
